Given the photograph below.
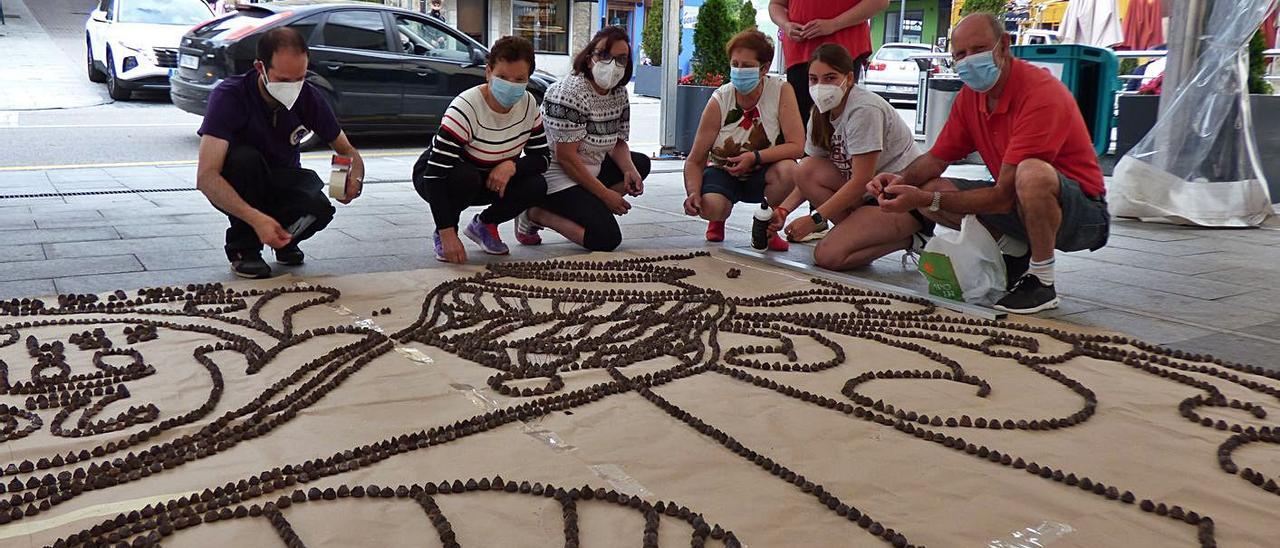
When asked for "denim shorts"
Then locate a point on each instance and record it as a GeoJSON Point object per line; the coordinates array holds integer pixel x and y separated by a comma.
{"type": "Point", "coordinates": [719, 181]}
{"type": "Point", "coordinates": [1086, 224]}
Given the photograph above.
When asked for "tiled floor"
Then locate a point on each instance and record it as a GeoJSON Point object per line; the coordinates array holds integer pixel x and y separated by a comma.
{"type": "Point", "coordinates": [1195, 289]}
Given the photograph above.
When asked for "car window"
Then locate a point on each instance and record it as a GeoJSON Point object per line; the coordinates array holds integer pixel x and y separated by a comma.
{"type": "Point", "coordinates": [109, 6]}
{"type": "Point", "coordinates": [164, 12]}
{"type": "Point", "coordinates": [898, 54]}
{"type": "Point", "coordinates": [306, 26]}
{"type": "Point", "coordinates": [419, 37]}
{"type": "Point", "coordinates": [356, 29]}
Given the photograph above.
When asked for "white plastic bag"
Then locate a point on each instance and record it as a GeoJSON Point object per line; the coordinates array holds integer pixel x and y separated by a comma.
{"type": "Point", "coordinates": [963, 265]}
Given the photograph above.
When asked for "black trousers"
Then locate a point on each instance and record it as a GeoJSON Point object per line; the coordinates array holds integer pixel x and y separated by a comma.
{"type": "Point", "coordinates": [465, 187]}
{"type": "Point", "coordinates": [798, 77]}
{"type": "Point", "coordinates": [600, 226]}
{"type": "Point", "coordinates": [284, 194]}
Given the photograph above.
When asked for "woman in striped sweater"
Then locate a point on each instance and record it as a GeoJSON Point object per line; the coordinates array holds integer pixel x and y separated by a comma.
{"type": "Point", "coordinates": [476, 157]}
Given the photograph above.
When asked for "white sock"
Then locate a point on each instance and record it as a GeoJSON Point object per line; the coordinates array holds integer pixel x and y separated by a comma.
{"type": "Point", "coordinates": [1012, 247]}
{"type": "Point", "coordinates": [1042, 270]}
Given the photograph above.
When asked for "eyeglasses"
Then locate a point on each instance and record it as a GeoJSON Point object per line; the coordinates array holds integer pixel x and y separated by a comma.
{"type": "Point", "coordinates": [604, 57]}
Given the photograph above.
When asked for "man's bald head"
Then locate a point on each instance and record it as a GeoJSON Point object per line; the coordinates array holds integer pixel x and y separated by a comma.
{"type": "Point", "coordinates": [977, 33]}
{"type": "Point", "coordinates": [982, 22]}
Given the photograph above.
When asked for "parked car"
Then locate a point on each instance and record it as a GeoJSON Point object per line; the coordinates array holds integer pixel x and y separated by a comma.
{"type": "Point", "coordinates": [382, 69]}
{"type": "Point", "coordinates": [133, 44]}
{"type": "Point", "coordinates": [1038, 37]}
{"type": "Point", "coordinates": [893, 76]}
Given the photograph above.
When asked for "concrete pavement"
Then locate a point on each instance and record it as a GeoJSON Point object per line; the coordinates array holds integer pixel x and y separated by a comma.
{"type": "Point", "coordinates": [35, 73]}
{"type": "Point", "coordinates": [103, 228]}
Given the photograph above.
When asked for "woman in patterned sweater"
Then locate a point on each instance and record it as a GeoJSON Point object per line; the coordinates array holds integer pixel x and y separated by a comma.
{"type": "Point", "coordinates": [476, 158]}
{"type": "Point", "coordinates": [588, 118]}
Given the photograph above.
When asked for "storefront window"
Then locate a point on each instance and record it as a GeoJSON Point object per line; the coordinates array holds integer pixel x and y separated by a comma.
{"type": "Point", "coordinates": [543, 22]}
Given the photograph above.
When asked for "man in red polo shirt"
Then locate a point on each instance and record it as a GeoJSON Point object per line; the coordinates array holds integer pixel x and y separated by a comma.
{"type": "Point", "coordinates": [1026, 126]}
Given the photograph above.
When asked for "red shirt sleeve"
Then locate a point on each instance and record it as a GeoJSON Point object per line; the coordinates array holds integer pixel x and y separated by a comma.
{"type": "Point", "coordinates": [954, 142]}
{"type": "Point", "coordinates": [1040, 129]}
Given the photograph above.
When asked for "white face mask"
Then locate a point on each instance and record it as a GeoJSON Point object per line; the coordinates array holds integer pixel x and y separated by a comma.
{"type": "Point", "coordinates": [285, 92]}
{"type": "Point", "coordinates": [606, 73]}
{"type": "Point", "coordinates": [826, 96]}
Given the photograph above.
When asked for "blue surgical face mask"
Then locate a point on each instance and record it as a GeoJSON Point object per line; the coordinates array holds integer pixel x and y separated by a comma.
{"type": "Point", "coordinates": [744, 79]}
{"type": "Point", "coordinates": [979, 71]}
{"type": "Point", "coordinates": [506, 93]}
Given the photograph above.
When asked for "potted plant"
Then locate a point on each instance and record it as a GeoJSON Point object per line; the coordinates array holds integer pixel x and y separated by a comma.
{"type": "Point", "coordinates": [649, 72]}
{"type": "Point", "coordinates": [1265, 108]}
{"type": "Point", "coordinates": [717, 23]}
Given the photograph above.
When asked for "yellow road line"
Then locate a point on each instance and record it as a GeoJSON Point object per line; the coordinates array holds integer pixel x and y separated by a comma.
{"type": "Point", "coordinates": [312, 156]}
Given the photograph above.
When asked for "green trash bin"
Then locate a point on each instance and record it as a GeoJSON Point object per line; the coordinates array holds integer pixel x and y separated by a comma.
{"type": "Point", "coordinates": [1091, 75]}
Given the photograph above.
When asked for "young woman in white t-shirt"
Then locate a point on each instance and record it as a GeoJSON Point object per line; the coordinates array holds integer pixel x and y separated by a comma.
{"type": "Point", "coordinates": [853, 134]}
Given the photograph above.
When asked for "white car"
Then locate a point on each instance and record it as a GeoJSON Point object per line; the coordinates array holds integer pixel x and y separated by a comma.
{"type": "Point", "coordinates": [892, 76]}
{"type": "Point", "coordinates": [133, 44]}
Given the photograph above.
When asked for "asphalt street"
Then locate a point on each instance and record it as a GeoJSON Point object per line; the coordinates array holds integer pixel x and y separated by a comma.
{"type": "Point", "coordinates": [149, 129]}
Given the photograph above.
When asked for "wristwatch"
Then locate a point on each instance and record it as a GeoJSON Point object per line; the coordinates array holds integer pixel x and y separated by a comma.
{"type": "Point", "coordinates": [757, 153]}
{"type": "Point", "coordinates": [937, 202]}
{"type": "Point", "coordinates": [817, 217]}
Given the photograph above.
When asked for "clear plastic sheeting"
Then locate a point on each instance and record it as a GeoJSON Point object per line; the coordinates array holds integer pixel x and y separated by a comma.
{"type": "Point", "coordinates": [1033, 537]}
{"type": "Point", "coordinates": [1199, 165]}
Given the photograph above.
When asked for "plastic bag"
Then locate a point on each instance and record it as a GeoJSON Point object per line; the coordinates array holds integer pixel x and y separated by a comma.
{"type": "Point", "coordinates": [1200, 164]}
{"type": "Point", "coordinates": [964, 265]}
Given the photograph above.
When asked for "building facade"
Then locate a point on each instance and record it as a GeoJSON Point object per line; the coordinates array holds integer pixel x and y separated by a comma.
{"type": "Point", "coordinates": [926, 22]}
{"type": "Point", "coordinates": [557, 28]}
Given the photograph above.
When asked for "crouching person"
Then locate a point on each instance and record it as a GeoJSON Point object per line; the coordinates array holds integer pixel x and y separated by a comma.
{"type": "Point", "coordinates": [751, 131]}
{"type": "Point", "coordinates": [476, 157]}
{"type": "Point", "coordinates": [589, 121]}
{"type": "Point", "coordinates": [249, 166]}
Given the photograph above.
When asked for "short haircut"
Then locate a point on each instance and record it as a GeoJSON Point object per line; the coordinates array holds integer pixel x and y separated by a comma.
{"type": "Point", "coordinates": [511, 49]}
{"type": "Point", "coordinates": [997, 26]}
{"type": "Point", "coordinates": [754, 40]}
{"type": "Point", "coordinates": [277, 39]}
{"type": "Point", "coordinates": [610, 36]}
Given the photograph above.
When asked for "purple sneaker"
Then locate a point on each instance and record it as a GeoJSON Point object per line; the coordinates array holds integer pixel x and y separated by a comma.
{"type": "Point", "coordinates": [487, 236]}
{"type": "Point", "coordinates": [439, 249]}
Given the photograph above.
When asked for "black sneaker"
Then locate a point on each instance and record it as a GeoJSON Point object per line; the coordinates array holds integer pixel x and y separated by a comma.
{"type": "Point", "coordinates": [290, 255]}
{"type": "Point", "coordinates": [1014, 268]}
{"type": "Point", "coordinates": [1029, 296]}
{"type": "Point", "coordinates": [251, 266]}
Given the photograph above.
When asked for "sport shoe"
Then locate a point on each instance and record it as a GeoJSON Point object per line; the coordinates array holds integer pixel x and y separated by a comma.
{"type": "Point", "coordinates": [819, 232]}
{"type": "Point", "coordinates": [439, 248]}
{"type": "Point", "coordinates": [250, 265]}
{"type": "Point", "coordinates": [487, 236]}
{"type": "Point", "coordinates": [1029, 296]}
{"type": "Point", "coordinates": [715, 231]}
{"type": "Point", "coordinates": [1014, 268]}
{"type": "Point", "coordinates": [527, 230]}
{"type": "Point", "coordinates": [290, 255]}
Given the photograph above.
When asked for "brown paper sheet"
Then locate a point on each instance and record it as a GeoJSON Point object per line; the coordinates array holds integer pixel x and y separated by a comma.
{"type": "Point", "coordinates": [928, 493]}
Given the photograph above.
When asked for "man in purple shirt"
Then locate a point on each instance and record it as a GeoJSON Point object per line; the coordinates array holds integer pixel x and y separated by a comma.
{"type": "Point", "coordinates": [249, 166]}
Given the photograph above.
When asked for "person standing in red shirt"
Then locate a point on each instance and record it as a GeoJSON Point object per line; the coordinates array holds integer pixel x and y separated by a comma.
{"type": "Point", "coordinates": [803, 25]}
{"type": "Point", "coordinates": [1048, 189]}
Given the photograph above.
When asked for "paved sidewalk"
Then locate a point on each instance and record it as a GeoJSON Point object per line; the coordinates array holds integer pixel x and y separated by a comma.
{"type": "Point", "coordinates": [35, 73]}
{"type": "Point", "coordinates": [1210, 291]}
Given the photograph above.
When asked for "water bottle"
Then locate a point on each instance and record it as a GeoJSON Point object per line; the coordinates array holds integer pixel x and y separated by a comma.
{"type": "Point", "coordinates": [760, 226]}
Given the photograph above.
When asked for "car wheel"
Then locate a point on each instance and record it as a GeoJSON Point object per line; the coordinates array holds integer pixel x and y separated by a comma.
{"type": "Point", "coordinates": [96, 76]}
{"type": "Point", "coordinates": [113, 83]}
{"type": "Point", "coordinates": [311, 140]}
